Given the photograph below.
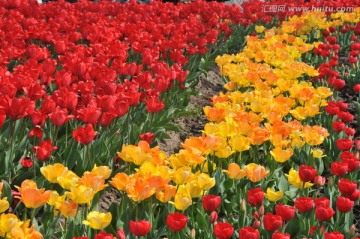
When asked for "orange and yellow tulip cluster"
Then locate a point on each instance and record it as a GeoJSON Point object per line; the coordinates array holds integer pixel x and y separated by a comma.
{"type": "Point", "coordinates": [10, 225]}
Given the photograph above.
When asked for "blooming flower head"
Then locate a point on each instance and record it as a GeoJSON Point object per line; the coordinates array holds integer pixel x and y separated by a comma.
{"type": "Point", "coordinates": [255, 172]}
{"type": "Point", "coordinates": [272, 195]}
{"type": "Point", "coordinates": [176, 221]}
{"type": "Point", "coordinates": [97, 220]}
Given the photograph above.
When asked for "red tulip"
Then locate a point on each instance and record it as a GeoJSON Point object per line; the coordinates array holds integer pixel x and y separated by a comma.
{"type": "Point", "coordinates": [213, 216]}
{"type": "Point", "coordinates": [285, 212]}
{"type": "Point", "coordinates": [345, 116]}
{"type": "Point", "coordinates": [344, 204]}
{"type": "Point", "coordinates": [350, 131]}
{"type": "Point", "coordinates": [36, 132]}
{"type": "Point", "coordinates": [338, 126]}
{"type": "Point", "coordinates": [304, 204]}
{"type": "Point", "coordinates": [120, 234]}
{"type": "Point", "coordinates": [355, 195]}
{"type": "Point", "coordinates": [255, 197]}
{"type": "Point", "coordinates": [307, 173]}
{"type": "Point", "coordinates": [339, 168]}
{"type": "Point", "coordinates": [324, 214]}
{"type": "Point", "coordinates": [148, 137]}
{"type": "Point", "coordinates": [89, 115]}
{"type": "Point", "coordinates": [249, 233]}
{"type": "Point", "coordinates": [176, 221]}
{"type": "Point", "coordinates": [322, 202]}
{"type": "Point", "coordinates": [280, 235]}
{"type": "Point", "coordinates": [223, 230]}
{"type": "Point", "coordinates": [103, 235]}
{"type": "Point", "coordinates": [84, 135]}
{"type": "Point", "coordinates": [352, 162]}
{"type": "Point", "coordinates": [356, 88]}
{"type": "Point", "coordinates": [60, 116]}
{"type": "Point", "coordinates": [344, 144]}
{"type": "Point", "coordinates": [333, 235]}
{"type": "Point", "coordinates": [272, 222]}
{"type": "Point", "coordinates": [211, 202]}
{"type": "Point", "coordinates": [43, 150]}
{"type": "Point", "coordinates": [27, 162]}
{"type": "Point", "coordinates": [346, 187]}
{"type": "Point", "coordinates": [140, 228]}
{"type": "Point", "coordinates": [154, 104]}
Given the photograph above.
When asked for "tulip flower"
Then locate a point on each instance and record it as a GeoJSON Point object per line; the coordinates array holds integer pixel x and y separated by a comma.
{"type": "Point", "coordinates": [272, 222]}
{"type": "Point", "coordinates": [249, 233]}
{"type": "Point", "coordinates": [223, 230]}
{"type": "Point", "coordinates": [84, 135]}
{"type": "Point", "coordinates": [344, 204]}
{"type": "Point", "coordinates": [140, 228]}
{"type": "Point", "coordinates": [211, 202]}
{"type": "Point", "coordinates": [176, 221]}
{"type": "Point", "coordinates": [255, 197]}
{"type": "Point", "coordinates": [97, 220]}
{"type": "Point", "coordinates": [307, 173]}
{"type": "Point", "coordinates": [286, 212]}
{"type": "Point", "coordinates": [43, 150]}
{"type": "Point", "coordinates": [324, 214]}
{"type": "Point", "coordinates": [304, 204]}
{"type": "Point", "coordinates": [280, 235]}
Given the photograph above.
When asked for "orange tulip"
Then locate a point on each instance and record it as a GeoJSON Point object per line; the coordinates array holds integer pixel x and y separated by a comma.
{"type": "Point", "coordinates": [255, 172]}
{"type": "Point", "coordinates": [31, 196]}
{"type": "Point", "coordinates": [235, 172]}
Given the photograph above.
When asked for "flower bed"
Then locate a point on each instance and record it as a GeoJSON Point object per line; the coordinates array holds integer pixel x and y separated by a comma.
{"type": "Point", "coordinates": [277, 159]}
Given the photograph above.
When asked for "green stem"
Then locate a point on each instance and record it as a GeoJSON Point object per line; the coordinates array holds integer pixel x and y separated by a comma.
{"type": "Point", "coordinates": [8, 162]}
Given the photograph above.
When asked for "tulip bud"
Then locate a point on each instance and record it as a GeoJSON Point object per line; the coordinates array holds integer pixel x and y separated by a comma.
{"type": "Point", "coordinates": [256, 224]}
{"type": "Point", "coordinates": [357, 144]}
{"type": "Point", "coordinates": [256, 215]}
{"type": "Point", "coordinates": [213, 216]}
{"type": "Point", "coordinates": [319, 180]}
{"type": "Point", "coordinates": [261, 210]}
{"type": "Point", "coordinates": [193, 233]}
{"type": "Point", "coordinates": [243, 205]}
{"type": "Point", "coordinates": [331, 181]}
{"type": "Point", "coordinates": [352, 230]}
{"type": "Point", "coordinates": [120, 234]}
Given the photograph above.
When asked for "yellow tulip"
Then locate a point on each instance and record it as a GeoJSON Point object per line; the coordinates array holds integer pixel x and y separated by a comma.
{"type": "Point", "coordinates": [205, 181]}
{"type": "Point", "coordinates": [7, 223]}
{"type": "Point", "coordinates": [182, 175]}
{"type": "Point", "coordinates": [235, 172]}
{"type": "Point", "coordinates": [97, 220]}
{"type": "Point", "coordinates": [317, 153]}
{"type": "Point", "coordinates": [182, 199]}
{"type": "Point", "coordinates": [55, 198]}
{"type": "Point", "coordinates": [68, 180]}
{"type": "Point", "coordinates": [52, 172]}
{"type": "Point", "coordinates": [281, 155]}
{"type": "Point", "coordinates": [194, 189]}
{"type": "Point", "coordinates": [239, 143]}
{"type": "Point", "coordinates": [259, 29]}
{"type": "Point", "coordinates": [104, 171]}
{"type": "Point", "coordinates": [81, 194]}
{"type": "Point", "coordinates": [4, 205]}
{"type": "Point", "coordinates": [273, 196]}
